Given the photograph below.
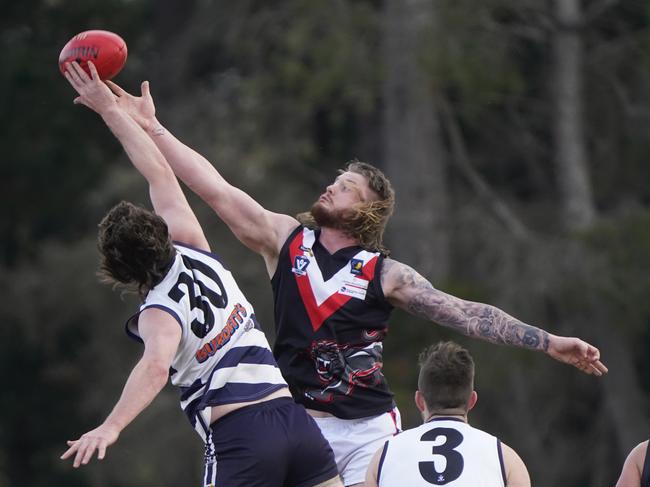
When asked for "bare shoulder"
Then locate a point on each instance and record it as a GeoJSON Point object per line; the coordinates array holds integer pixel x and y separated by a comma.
{"type": "Point", "coordinates": [192, 236]}
{"type": "Point", "coordinates": [637, 455]}
{"type": "Point", "coordinates": [279, 227]}
{"type": "Point", "coordinates": [639, 452]}
{"type": "Point", "coordinates": [283, 225]}
{"type": "Point", "coordinates": [633, 466]}
{"type": "Point", "coordinates": [157, 321]}
{"type": "Point", "coordinates": [516, 471]}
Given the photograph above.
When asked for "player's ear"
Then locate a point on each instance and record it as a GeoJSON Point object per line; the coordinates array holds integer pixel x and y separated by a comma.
{"type": "Point", "coordinates": [472, 400]}
{"type": "Point", "coordinates": [419, 401]}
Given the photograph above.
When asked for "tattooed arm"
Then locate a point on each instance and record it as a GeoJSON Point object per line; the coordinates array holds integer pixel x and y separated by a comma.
{"type": "Point", "coordinates": [407, 289]}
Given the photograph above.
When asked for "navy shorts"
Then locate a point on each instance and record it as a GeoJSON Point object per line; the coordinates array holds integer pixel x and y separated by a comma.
{"type": "Point", "coordinates": [269, 444]}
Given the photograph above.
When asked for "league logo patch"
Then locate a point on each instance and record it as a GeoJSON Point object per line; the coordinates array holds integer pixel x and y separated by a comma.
{"type": "Point", "coordinates": [356, 267]}
{"type": "Point", "coordinates": [300, 263]}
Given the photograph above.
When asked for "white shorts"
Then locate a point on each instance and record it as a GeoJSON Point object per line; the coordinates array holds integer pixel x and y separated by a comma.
{"type": "Point", "coordinates": [355, 441]}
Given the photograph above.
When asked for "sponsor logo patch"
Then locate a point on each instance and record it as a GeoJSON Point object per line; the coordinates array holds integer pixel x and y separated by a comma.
{"type": "Point", "coordinates": [235, 319]}
{"type": "Point", "coordinates": [355, 288]}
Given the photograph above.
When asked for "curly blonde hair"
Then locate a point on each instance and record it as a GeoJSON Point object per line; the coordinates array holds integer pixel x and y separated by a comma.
{"type": "Point", "coordinates": [366, 221]}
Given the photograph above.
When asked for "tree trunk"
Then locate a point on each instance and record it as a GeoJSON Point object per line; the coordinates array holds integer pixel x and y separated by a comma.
{"type": "Point", "coordinates": [578, 210]}
{"type": "Point", "coordinates": [415, 159]}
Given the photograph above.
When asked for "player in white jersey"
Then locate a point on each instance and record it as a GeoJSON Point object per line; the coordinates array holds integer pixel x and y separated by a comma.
{"type": "Point", "coordinates": [198, 327]}
{"type": "Point", "coordinates": [223, 356]}
{"type": "Point", "coordinates": [446, 450]}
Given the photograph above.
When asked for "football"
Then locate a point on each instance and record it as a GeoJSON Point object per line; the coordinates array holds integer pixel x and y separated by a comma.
{"type": "Point", "coordinates": [105, 49]}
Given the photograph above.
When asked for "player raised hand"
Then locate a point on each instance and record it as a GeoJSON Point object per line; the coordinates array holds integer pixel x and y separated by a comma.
{"type": "Point", "coordinates": [576, 352]}
{"type": "Point", "coordinates": [96, 440]}
{"type": "Point", "coordinates": [140, 108]}
{"type": "Point", "coordinates": [93, 92]}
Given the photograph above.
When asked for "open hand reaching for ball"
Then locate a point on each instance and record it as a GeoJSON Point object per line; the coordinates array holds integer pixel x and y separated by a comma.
{"type": "Point", "coordinates": [140, 108]}
{"type": "Point", "coordinates": [93, 92]}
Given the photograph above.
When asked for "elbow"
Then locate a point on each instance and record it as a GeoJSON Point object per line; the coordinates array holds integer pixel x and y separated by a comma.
{"type": "Point", "coordinates": [157, 373]}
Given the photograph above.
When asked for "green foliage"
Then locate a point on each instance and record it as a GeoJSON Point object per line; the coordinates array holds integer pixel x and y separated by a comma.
{"type": "Point", "coordinates": [278, 95]}
{"type": "Point", "coordinates": [312, 66]}
{"type": "Point", "coordinates": [623, 244]}
{"type": "Point", "coordinates": [48, 163]}
{"type": "Point", "coordinates": [470, 57]}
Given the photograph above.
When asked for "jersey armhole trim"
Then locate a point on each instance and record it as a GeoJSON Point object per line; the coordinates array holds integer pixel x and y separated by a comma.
{"type": "Point", "coordinates": [377, 280]}
{"type": "Point", "coordinates": [501, 462]}
{"type": "Point", "coordinates": [381, 460]}
{"type": "Point", "coordinates": [167, 309]}
{"type": "Point", "coordinates": [285, 249]}
{"type": "Point", "coordinates": [209, 253]}
{"type": "Point", "coordinates": [133, 320]}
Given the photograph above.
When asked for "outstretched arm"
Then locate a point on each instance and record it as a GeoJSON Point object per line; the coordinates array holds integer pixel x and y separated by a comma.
{"type": "Point", "coordinates": [407, 289]}
{"type": "Point", "coordinates": [161, 335]}
{"type": "Point", "coordinates": [260, 230]}
{"type": "Point", "coordinates": [166, 194]}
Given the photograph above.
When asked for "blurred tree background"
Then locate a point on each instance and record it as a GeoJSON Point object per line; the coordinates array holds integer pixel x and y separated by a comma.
{"type": "Point", "coordinates": [515, 132]}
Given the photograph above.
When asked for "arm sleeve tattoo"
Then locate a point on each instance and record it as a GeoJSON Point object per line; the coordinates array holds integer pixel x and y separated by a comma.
{"type": "Point", "coordinates": [469, 318]}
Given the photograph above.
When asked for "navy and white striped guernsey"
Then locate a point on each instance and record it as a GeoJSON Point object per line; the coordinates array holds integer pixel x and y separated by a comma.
{"type": "Point", "coordinates": [224, 356]}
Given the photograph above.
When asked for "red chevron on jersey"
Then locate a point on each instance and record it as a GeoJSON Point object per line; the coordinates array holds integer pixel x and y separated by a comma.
{"type": "Point", "coordinates": [323, 298]}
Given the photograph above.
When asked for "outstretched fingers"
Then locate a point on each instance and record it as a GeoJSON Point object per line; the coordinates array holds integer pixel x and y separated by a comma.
{"type": "Point", "coordinates": [81, 74]}
{"type": "Point", "coordinates": [592, 356]}
{"type": "Point", "coordinates": [599, 368]}
{"type": "Point", "coordinates": [578, 353]}
{"type": "Point", "coordinates": [83, 457]}
{"type": "Point", "coordinates": [73, 446]}
{"type": "Point", "coordinates": [144, 89]}
{"type": "Point", "coordinates": [83, 450]}
{"type": "Point", "coordinates": [587, 359]}
{"type": "Point", "coordinates": [101, 453]}
{"type": "Point", "coordinates": [93, 71]}
{"type": "Point", "coordinates": [72, 76]}
{"type": "Point", "coordinates": [115, 88]}
{"type": "Point", "coordinates": [77, 77]}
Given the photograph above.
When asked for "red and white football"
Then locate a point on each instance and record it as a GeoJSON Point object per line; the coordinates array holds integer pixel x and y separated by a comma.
{"type": "Point", "coordinates": [105, 49]}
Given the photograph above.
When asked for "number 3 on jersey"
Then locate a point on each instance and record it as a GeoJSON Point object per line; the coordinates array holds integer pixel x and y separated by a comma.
{"type": "Point", "coordinates": [203, 300]}
{"type": "Point", "coordinates": [453, 460]}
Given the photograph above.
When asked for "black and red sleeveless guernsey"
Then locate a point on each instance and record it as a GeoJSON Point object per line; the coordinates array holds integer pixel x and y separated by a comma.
{"type": "Point", "coordinates": [331, 317]}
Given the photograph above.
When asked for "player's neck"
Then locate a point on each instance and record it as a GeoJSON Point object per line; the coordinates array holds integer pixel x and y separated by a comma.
{"type": "Point", "coordinates": [446, 413]}
{"type": "Point", "coordinates": [334, 239]}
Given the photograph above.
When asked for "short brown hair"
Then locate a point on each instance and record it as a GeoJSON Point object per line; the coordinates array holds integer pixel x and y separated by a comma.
{"type": "Point", "coordinates": [135, 246]}
{"type": "Point", "coordinates": [446, 378]}
{"type": "Point", "coordinates": [367, 221]}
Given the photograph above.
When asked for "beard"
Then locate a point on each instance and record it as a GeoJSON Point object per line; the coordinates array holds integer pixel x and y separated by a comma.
{"type": "Point", "coordinates": [364, 222]}
{"type": "Point", "coordinates": [325, 218]}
